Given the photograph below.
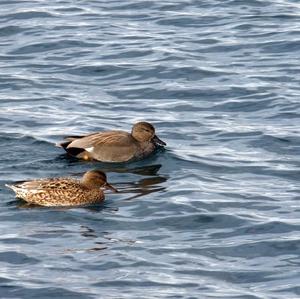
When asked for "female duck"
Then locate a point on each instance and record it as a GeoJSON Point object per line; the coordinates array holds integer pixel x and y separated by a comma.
{"type": "Point", "coordinates": [64, 191]}
{"type": "Point", "coordinates": [114, 146]}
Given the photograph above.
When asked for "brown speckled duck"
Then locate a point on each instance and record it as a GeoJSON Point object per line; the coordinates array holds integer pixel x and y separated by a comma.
{"type": "Point", "coordinates": [114, 146]}
{"type": "Point", "coordinates": [64, 191]}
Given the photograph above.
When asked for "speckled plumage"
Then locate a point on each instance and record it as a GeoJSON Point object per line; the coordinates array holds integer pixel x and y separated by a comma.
{"type": "Point", "coordinates": [63, 191]}
{"type": "Point", "coordinates": [114, 146]}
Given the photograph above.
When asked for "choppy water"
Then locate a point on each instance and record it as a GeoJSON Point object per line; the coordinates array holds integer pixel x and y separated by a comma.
{"type": "Point", "coordinates": [217, 214]}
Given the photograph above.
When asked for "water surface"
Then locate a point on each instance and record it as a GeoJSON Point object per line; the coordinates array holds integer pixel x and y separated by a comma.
{"type": "Point", "coordinates": [217, 214]}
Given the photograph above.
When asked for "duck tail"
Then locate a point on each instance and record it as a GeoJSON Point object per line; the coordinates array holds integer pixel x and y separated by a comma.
{"type": "Point", "coordinates": [68, 139]}
{"type": "Point", "coordinates": [63, 144]}
{"type": "Point", "coordinates": [12, 187]}
{"type": "Point", "coordinates": [72, 151]}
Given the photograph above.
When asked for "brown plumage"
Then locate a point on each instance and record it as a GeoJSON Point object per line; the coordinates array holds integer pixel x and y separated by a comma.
{"type": "Point", "coordinates": [114, 146]}
{"type": "Point", "coordinates": [64, 191]}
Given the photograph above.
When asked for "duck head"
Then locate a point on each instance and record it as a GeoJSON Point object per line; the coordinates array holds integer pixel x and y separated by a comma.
{"type": "Point", "coordinates": [143, 132]}
{"type": "Point", "coordinates": [97, 179]}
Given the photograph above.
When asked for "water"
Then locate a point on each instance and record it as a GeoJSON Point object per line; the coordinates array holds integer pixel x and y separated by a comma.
{"type": "Point", "coordinates": [215, 215]}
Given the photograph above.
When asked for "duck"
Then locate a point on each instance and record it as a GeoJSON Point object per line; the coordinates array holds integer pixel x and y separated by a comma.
{"type": "Point", "coordinates": [114, 146]}
{"type": "Point", "coordinates": [64, 191]}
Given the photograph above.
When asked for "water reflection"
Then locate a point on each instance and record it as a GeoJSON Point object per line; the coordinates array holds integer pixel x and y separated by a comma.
{"type": "Point", "coordinates": [142, 186]}
{"type": "Point", "coordinates": [88, 232]}
{"type": "Point", "coordinates": [19, 203]}
{"type": "Point", "coordinates": [101, 240]}
{"type": "Point", "coordinates": [147, 170]}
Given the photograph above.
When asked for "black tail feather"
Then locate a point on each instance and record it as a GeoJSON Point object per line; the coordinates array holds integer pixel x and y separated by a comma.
{"type": "Point", "coordinates": [68, 139]}
{"type": "Point", "coordinates": [74, 151]}
{"type": "Point", "coordinates": [64, 144]}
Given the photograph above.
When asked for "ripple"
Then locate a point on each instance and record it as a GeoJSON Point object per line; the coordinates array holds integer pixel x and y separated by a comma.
{"type": "Point", "coordinates": [16, 258]}
{"type": "Point", "coordinates": [29, 15]}
{"type": "Point", "coordinates": [45, 47]}
{"type": "Point", "coordinates": [10, 30]}
{"type": "Point", "coordinates": [216, 213]}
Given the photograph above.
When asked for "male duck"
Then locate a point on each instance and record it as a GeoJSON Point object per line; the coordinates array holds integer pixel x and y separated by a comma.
{"type": "Point", "coordinates": [114, 146]}
{"type": "Point", "coordinates": [64, 191]}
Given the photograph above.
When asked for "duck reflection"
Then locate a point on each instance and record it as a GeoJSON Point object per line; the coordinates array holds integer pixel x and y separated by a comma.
{"type": "Point", "coordinates": [144, 170]}
{"type": "Point", "coordinates": [142, 186]}
{"type": "Point", "coordinates": [93, 208]}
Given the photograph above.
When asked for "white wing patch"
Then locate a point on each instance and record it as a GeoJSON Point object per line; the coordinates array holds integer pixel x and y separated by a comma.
{"type": "Point", "coordinates": [90, 149]}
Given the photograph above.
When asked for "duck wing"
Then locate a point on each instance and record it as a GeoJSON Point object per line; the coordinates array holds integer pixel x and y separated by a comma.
{"type": "Point", "coordinates": [112, 146]}
{"type": "Point", "coordinates": [44, 184]}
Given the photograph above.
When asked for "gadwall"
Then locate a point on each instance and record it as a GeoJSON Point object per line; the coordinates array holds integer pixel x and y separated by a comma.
{"type": "Point", "coordinates": [114, 146]}
{"type": "Point", "coordinates": [64, 191]}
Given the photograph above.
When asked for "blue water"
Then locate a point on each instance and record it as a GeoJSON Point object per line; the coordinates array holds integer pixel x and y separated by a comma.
{"type": "Point", "coordinates": [215, 215]}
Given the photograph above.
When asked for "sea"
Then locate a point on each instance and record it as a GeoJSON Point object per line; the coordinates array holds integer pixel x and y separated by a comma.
{"type": "Point", "coordinates": [216, 214]}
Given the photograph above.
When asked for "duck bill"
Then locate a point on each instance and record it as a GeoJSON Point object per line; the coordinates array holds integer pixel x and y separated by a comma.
{"type": "Point", "coordinates": [110, 187]}
{"type": "Point", "coordinates": [158, 141]}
